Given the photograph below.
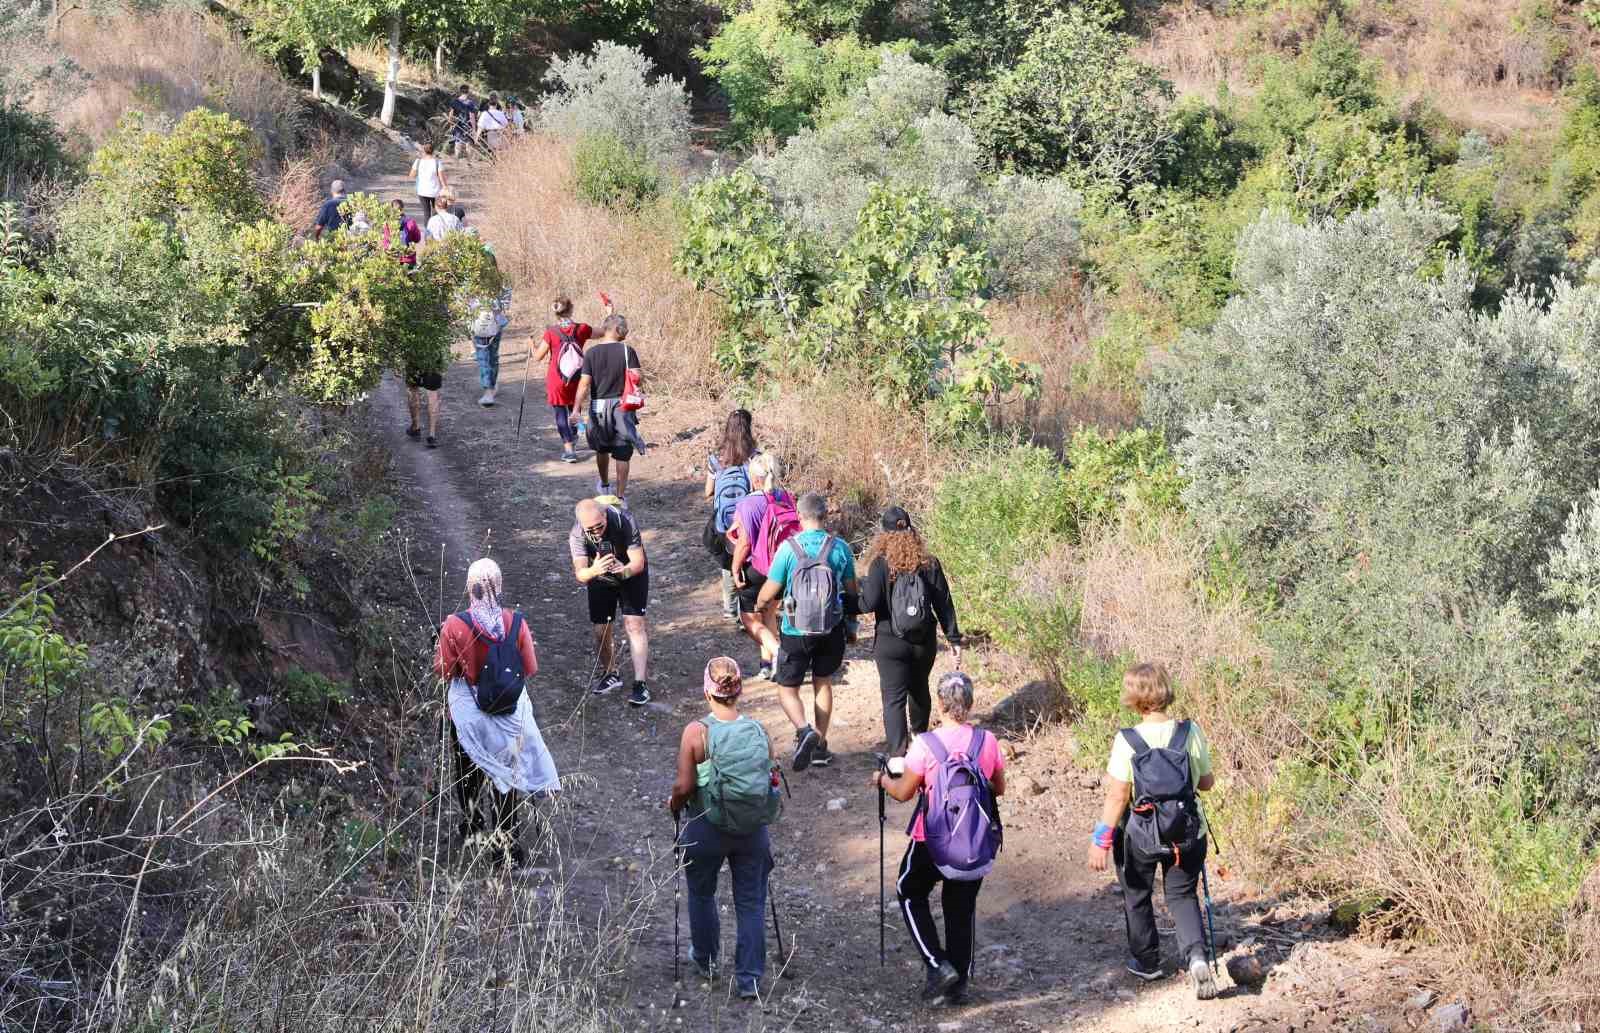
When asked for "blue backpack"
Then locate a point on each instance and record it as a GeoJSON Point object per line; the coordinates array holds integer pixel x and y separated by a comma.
{"type": "Point", "coordinates": [960, 814]}
{"type": "Point", "coordinates": [498, 689]}
{"type": "Point", "coordinates": [732, 484]}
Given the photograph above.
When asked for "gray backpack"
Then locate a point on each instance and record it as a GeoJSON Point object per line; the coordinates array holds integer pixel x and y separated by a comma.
{"type": "Point", "coordinates": [812, 601]}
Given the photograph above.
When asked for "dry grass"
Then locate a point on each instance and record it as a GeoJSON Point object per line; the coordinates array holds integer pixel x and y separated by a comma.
{"type": "Point", "coordinates": [372, 59]}
{"type": "Point", "coordinates": [171, 61]}
{"type": "Point", "coordinates": [1054, 332]}
{"type": "Point", "coordinates": [549, 242]}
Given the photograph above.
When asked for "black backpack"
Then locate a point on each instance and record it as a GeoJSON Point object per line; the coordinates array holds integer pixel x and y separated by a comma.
{"type": "Point", "coordinates": [1165, 820]}
{"type": "Point", "coordinates": [910, 613]}
{"type": "Point", "coordinates": [498, 689]}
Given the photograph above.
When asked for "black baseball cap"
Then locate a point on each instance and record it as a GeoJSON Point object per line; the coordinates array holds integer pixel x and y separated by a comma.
{"type": "Point", "coordinates": [896, 519]}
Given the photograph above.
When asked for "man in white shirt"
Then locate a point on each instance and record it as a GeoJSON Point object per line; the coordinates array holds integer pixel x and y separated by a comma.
{"type": "Point", "coordinates": [446, 220]}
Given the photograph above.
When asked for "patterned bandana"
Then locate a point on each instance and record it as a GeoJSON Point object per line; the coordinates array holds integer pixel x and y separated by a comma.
{"type": "Point", "coordinates": [483, 595]}
{"type": "Point", "coordinates": [722, 694]}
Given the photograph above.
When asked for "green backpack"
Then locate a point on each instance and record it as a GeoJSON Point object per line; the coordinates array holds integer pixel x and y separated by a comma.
{"type": "Point", "coordinates": [741, 793]}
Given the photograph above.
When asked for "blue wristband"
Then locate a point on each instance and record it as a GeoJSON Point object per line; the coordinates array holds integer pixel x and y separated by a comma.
{"type": "Point", "coordinates": [1102, 836]}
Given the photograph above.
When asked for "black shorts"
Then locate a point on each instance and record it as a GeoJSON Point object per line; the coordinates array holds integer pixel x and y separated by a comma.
{"type": "Point", "coordinates": [632, 593]}
{"type": "Point", "coordinates": [819, 655]}
{"type": "Point", "coordinates": [430, 380]}
{"type": "Point", "coordinates": [753, 580]}
{"type": "Point", "coordinates": [604, 435]}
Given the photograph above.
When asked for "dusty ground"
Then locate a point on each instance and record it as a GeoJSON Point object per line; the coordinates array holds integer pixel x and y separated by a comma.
{"type": "Point", "coordinates": [1051, 939]}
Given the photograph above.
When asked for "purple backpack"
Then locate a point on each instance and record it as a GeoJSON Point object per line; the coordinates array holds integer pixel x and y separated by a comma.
{"type": "Point", "coordinates": [961, 817]}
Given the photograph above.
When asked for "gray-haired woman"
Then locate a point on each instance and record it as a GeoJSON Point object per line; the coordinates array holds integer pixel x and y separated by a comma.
{"type": "Point", "coordinates": [949, 967]}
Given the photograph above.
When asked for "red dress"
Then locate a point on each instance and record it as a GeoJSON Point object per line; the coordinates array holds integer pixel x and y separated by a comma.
{"type": "Point", "coordinates": [562, 392]}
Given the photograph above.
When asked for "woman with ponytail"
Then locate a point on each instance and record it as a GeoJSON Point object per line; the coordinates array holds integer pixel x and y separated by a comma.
{"type": "Point", "coordinates": [562, 344]}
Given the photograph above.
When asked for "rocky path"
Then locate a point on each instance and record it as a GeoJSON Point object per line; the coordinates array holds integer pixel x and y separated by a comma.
{"type": "Point", "coordinates": [1051, 939]}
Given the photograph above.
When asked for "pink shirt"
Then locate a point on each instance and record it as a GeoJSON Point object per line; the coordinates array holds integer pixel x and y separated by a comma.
{"type": "Point", "coordinates": [956, 740]}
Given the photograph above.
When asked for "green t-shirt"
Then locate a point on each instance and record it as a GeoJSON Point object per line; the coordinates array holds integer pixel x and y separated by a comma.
{"type": "Point", "coordinates": [841, 560]}
{"type": "Point", "coordinates": [1157, 734]}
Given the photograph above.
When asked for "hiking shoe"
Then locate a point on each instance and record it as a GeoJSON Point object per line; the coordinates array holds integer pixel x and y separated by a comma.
{"type": "Point", "coordinates": [822, 757]}
{"type": "Point", "coordinates": [413, 432]}
{"type": "Point", "coordinates": [601, 488]}
{"type": "Point", "coordinates": [640, 695]}
{"type": "Point", "coordinates": [707, 967]}
{"type": "Point", "coordinates": [767, 671]}
{"type": "Point", "coordinates": [940, 980]}
{"type": "Point", "coordinates": [806, 742]}
{"type": "Point", "coordinates": [605, 683]}
{"type": "Point", "coordinates": [749, 990]}
{"type": "Point", "coordinates": [1205, 983]}
{"type": "Point", "coordinates": [487, 401]}
{"type": "Point", "coordinates": [1147, 973]}
{"type": "Point", "coordinates": [569, 457]}
{"type": "Point", "coordinates": [433, 442]}
{"type": "Point", "coordinates": [957, 995]}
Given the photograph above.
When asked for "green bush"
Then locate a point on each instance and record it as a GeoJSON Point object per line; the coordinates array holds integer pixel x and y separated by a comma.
{"type": "Point", "coordinates": [31, 150]}
{"type": "Point", "coordinates": [609, 174]}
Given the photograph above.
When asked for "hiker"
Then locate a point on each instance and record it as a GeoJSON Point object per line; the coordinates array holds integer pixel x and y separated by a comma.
{"type": "Point", "coordinates": [727, 482]}
{"type": "Point", "coordinates": [730, 803]}
{"type": "Point", "coordinates": [448, 218]}
{"type": "Point", "coordinates": [463, 117]}
{"type": "Point", "coordinates": [487, 319]}
{"type": "Point", "coordinates": [905, 588]}
{"type": "Point", "coordinates": [410, 235]}
{"type": "Point", "coordinates": [955, 835]}
{"type": "Point", "coordinates": [1159, 766]}
{"type": "Point", "coordinates": [330, 216]}
{"type": "Point", "coordinates": [815, 574]}
{"type": "Point", "coordinates": [492, 125]}
{"type": "Point", "coordinates": [424, 379]}
{"type": "Point", "coordinates": [519, 115]}
{"type": "Point", "coordinates": [761, 520]}
{"type": "Point", "coordinates": [608, 560]}
{"type": "Point", "coordinates": [428, 173]}
{"type": "Point", "coordinates": [486, 655]}
{"type": "Point", "coordinates": [562, 343]}
{"type": "Point", "coordinates": [601, 382]}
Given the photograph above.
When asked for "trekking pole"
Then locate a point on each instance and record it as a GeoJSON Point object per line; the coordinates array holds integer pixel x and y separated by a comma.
{"type": "Point", "coordinates": [1211, 929]}
{"type": "Point", "coordinates": [883, 816]}
{"type": "Point", "coordinates": [777, 930]}
{"type": "Point", "coordinates": [517, 438]}
{"type": "Point", "coordinates": [677, 882]}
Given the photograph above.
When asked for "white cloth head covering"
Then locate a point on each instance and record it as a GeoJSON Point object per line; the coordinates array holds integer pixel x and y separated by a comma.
{"type": "Point", "coordinates": [483, 597]}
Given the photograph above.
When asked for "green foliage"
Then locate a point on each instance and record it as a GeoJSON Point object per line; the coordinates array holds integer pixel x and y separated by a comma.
{"type": "Point", "coordinates": [112, 727]}
{"type": "Point", "coordinates": [1110, 476]}
{"type": "Point", "coordinates": [35, 659]}
{"type": "Point", "coordinates": [777, 80]}
{"type": "Point", "coordinates": [609, 174]}
{"type": "Point", "coordinates": [613, 90]}
{"type": "Point", "coordinates": [1077, 103]}
{"type": "Point", "coordinates": [31, 150]}
{"type": "Point", "coordinates": [205, 163]}
{"type": "Point", "coordinates": [311, 694]}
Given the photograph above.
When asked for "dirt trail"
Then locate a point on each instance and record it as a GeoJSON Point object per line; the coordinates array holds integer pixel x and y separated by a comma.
{"type": "Point", "coordinates": [1051, 939]}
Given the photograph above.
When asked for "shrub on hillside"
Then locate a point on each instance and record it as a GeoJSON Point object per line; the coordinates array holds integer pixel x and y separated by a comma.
{"type": "Point", "coordinates": [609, 174]}
{"type": "Point", "coordinates": [32, 151]}
{"type": "Point", "coordinates": [613, 89]}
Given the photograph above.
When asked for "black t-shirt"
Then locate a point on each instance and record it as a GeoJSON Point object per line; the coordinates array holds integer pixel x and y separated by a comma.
{"type": "Point", "coordinates": [621, 534]}
{"type": "Point", "coordinates": [603, 365]}
{"type": "Point", "coordinates": [463, 110]}
{"type": "Point", "coordinates": [331, 215]}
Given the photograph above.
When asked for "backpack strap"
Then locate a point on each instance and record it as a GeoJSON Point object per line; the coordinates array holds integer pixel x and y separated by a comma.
{"type": "Point", "coordinates": [975, 747]}
{"type": "Point", "coordinates": [1136, 741]}
{"type": "Point", "coordinates": [1180, 736]}
{"type": "Point", "coordinates": [825, 554]}
{"type": "Point", "coordinates": [935, 746]}
{"type": "Point", "coordinates": [516, 627]}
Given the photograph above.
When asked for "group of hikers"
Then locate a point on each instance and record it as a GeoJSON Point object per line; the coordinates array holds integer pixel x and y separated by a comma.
{"type": "Point", "coordinates": [488, 125]}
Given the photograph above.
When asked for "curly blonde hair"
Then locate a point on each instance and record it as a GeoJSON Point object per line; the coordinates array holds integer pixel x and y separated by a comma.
{"type": "Point", "coordinates": [903, 551]}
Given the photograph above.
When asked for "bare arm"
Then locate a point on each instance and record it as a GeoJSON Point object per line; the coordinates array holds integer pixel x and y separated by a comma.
{"type": "Point", "coordinates": [769, 594]}
{"type": "Point", "coordinates": [711, 484]}
{"type": "Point", "coordinates": [583, 393]}
{"type": "Point", "coordinates": [691, 746]}
{"type": "Point", "coordinates": [900, 787]}
{"type": "Point", "coordinates": [636, 560]}
{"type": "Point", "coordinates": [1117, 795]}
{"type": "Point", "coordinates": [542, 352]}
{"type": "Point", "coordinates": [741, 556]}
{"type": "Point", "coordinates": [602, 565]}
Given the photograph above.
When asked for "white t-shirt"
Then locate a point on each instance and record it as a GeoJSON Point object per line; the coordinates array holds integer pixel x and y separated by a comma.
{"type": "Point", "coordinates": [442, 223]}
{"type": "Point", "coordinates": [493, 121]}
{"type": "Point", "coordinates": [428, 177]}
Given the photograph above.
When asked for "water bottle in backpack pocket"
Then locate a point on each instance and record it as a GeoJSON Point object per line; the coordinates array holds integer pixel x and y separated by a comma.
{"type": "Point", "coordinates": [741, 793]}
{"type": "Point", "coordinates": [811, 600]}
{"type": "Point", "coordinates": [910, 612]}
{"type": "Point", "coordinates": [501, 678]}
{"type": "Point", "coordinates": [960, 813]}
{"type": "Point", "coordinates": [1164, 822]}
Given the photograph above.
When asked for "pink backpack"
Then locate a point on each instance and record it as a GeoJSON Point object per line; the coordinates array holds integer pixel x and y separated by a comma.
{"type": "Point", "coordinates": [779, 523]}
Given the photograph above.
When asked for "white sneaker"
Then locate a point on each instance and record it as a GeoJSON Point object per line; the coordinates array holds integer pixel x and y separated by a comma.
{"type": "Point", "coordinates": [487, 400]}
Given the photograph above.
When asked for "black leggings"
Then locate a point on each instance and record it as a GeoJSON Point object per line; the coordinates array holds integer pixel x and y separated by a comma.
{"type": "Point", "coordinates": [564, 423]}
{"type": "Point", "coordinates": [918, 876]}
{"type": "Point", "coordinates": [469, 785]}
{"type": "Point", "coordinates": [903, 670]}
{"type": "Point", "coordinates": [427, 208]}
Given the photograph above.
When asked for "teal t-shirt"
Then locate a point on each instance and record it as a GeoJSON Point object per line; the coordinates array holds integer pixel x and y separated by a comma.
{"type": "Point", "coordinates": [842, 561]}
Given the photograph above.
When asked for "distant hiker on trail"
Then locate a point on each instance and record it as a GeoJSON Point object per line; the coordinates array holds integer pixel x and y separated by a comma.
{"type": "Point", "coordinates": [422, 378]}
{"type": "Point", "coordinates": [727, 779]}
{"type": "Point", "coordinates": [562, 344]}
{"type": "Point", "coordinates": [410, 235]}
{"type": "Point", "coordinates": [1160, 765]}
{"type": "Point", "coordinates": [330, 216]}
{"type": "Point", "coordinates": [519, 115]}
{"type": "Point", "coordinates": [761, 522]}
{"type": "Point", "coordinates": [815, 574]}
{"type": "Point", "coordinates": [906, 588]}
{"type": "Point", "coordinates": [428, 172]}
{"type": "Point", "coordinates": [487, 319]}
{"type": "Point", "coordinates": [608, 559]}
{"type": "Point", "coordinates": [463, 119]}
{"type": "Point", "coordinates": [486, 654]}
{"type": "Point", "coordinates": [728, 482]}
{"type": "Point", "coordinates": [493, 124]}
{"type": "Point", "coordinates": [955, 835]}
{"type": "Point", "coordinates": [600, 384]}
{"type": "Point", "coordinates": [446, 220]}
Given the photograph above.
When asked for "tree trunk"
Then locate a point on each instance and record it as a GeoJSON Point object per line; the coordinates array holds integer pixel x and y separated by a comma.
{"type": "Point", "coordinates": [392, 80]}
{"type": "Point", "coordinates": [438, 59]}
{"type": "Point", "coordinates": [316, 80]}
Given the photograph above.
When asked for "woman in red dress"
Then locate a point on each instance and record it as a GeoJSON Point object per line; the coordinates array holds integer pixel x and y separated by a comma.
{"type": "Point", "coordinates": [563, 344]}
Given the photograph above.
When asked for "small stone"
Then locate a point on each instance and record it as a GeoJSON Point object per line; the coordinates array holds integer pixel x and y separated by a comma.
{"type": "Point", "coordinates": [1452, 1018]}
{"type": "Point", "coordinates": [948, 1027]}
{"type": "Point", "coordinates": [1246, 970]}
{"type": "Point", "coordinates": [1422, 1000]}
{"type": "Point", "coordinates": [838, 803]}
